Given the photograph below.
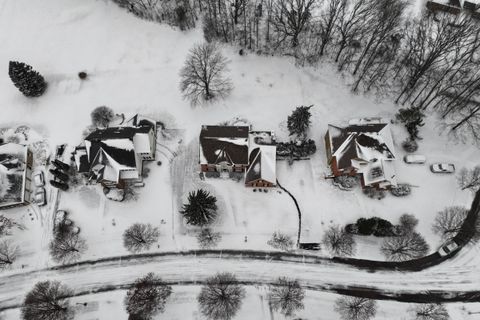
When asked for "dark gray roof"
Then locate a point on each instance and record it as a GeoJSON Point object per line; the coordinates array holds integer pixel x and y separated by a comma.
{"type": "Point", "coordinates": [224, 143]}
{"type": "Point", "coordinates": [116, 133]}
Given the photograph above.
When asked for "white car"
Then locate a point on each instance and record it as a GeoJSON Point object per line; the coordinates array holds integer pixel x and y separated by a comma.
{"type": "Point", "coordinates": [415, 158]}
{"type": "Point", "coordinates": [40, 197]}
{"type": "Point", "coordinates": [442, 168]}
{"type": "Point", "coordinates": [448, 248]}
{"type": "Point", "coordinates": [39, 179]}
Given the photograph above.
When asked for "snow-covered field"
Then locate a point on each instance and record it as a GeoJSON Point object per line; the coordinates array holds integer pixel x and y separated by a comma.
{"type": "Point", "coordinates": [133, 66]}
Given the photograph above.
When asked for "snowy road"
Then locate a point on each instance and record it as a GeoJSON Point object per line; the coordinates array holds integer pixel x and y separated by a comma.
{"type": "Point", "coordinates": [249, 267]}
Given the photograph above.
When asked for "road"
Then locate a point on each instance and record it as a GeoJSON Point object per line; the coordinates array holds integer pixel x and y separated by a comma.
{"type": "Point", "coordinates": [451, 283]}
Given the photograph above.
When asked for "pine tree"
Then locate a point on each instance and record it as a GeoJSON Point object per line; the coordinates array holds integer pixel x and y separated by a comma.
{"type": "Point", "coordinates": [412, 118]}
{"type": "Point", "coordinates": [27, 80]}
{"type": "Point", "coordinates": [201, 208]}
{"type": "Point", "coordinates": [299, 121]}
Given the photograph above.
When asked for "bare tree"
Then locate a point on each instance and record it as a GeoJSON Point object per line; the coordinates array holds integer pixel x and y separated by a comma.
{"type": "Point", "coordinates": [406, 247]}
{"type": "Point", "coordinates": [286, 296]}
{"type": "Point", "coordinates": [354, 308]}
{"type": "Point", "coordinates": [449, 221]}
{"type": "Point", "coordinates": [429, 311]}
{"type": "Point", "coordinates": [353, 23]}
{"type": "Point", "coordinates": [147, 297]}
{"type": "Point", "coordinates": [7, 224]}
{"type": "Point", "coordinates": [8, 253]}
{"type": "Point", "coordinates": [328, 21]}
{"type": "Point", "coordinates": [67, 248]}
{"type": "Point", "coordinates": [48, 301]}
{"type": "Point", "coordinates": [281, 241]}
{"type": "Point", "coordinates": [382, 41]}
{"type": "Point", "coordinates": [469, 178]}
{"type": "Point", "coordinates": [430, 43]}
{"type": "Point", "coordinates": [207, 239]}
{"type": "Point", "coordinates": [139, 237]}
{"type": "Point", "coordinates": [203, 75]}
{"type": "Point", "coordinates": [221, 297]}
{"type": "Point", "coordinates": [339, 242]}
{"type": "Point", "coordinates": [290, 18]}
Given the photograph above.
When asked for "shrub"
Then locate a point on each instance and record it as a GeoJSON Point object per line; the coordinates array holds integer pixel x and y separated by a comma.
{"type": "Point", "coordinates": [408, 222]}
{"type": "Point", "coordinates": [410, 145]}
{"type": "Point", "coordinates": [374, 193]}
{"type": "Point", "coordinates": [345, 182]}
{"type": "Point", "coordinates": [281, 241]}
{"type": "Point", "coordinates": [375, 226]}
{"type": "Point", "coordinates": [102, 116]}
{"type": "Point", "coordinates": [401, 190]}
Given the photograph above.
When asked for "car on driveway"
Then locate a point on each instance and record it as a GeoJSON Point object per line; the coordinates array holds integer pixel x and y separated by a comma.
{"type": "Point", "coordinates": [40, 197]}
{"type": "Point", "coordinates": [448, 248]}
{"type": "Point", "coordinates": [39, 179]}
{"type": "Point", "coordinates": [415, 158]}
{"type": "Point", "coordinates": [442, 168]}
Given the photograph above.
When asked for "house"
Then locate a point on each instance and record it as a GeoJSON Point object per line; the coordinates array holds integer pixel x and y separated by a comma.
{"type": "Point", "coordinates": [237, 149]}
{"type": "Point", "coordinates": [262, 152]}
{"type": "Point", "coordinates": [114, 156]}
{"type": "Point", "coordinates": [455, 6]}
{"type": "Point", "coordinates": [15, 175]}
{"type": "Point", "coordinates": [224, 148]}
{"type": "Point", "coordinates": [364, 148]}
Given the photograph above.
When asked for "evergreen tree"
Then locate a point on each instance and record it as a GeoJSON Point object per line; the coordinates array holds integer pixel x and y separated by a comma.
{"type": "Point", "coordinates": [299, 122]}
{"type": "Point", "coordinates": [201, 208]}
{"type": "Point", "coordinates": [412, 118]}
{"type": "Point", "coordinates": [27, 80]}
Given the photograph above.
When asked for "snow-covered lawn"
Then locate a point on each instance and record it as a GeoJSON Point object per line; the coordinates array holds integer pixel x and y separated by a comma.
{"type": "Point", "coordinates": [133, 66]}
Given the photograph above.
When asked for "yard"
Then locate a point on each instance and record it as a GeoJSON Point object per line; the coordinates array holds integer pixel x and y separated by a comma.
{"type": "Point", "coordinates": [135, 74]}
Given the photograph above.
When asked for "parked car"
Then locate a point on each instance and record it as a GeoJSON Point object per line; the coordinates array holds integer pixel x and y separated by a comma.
{"type": "Point", "coordinates": [415, 158]}
{"type": "Point", "coordinates": [40, 197]}
{"type": "Point", "coordinates": [59, 185]}
{"type": "Point", "coordinates": [442, 168]}
{"type": "Point", "coordinates": [61, 165]}
{"type": "Point", "coordinates": [59, 174]}
{"type": "Point", "coordinates": [447, 248]}
{"type": "Point", "coordinates": [309, 246]}
{"type": "Point", "coordinates": [39, 179]}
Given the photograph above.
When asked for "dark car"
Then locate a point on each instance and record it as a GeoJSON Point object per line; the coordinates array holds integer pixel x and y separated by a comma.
{"type": "Point", "coordinates": [59, 175]}
{"type": "Point", "coordinates": [59, 185]}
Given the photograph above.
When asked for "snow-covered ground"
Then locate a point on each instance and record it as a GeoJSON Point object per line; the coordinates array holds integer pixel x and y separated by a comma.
{"type": "Point", "coordinates": [133, 66]}
{"type": "Point", "coordinates": [182, 304]}
{"type": "Point", "coordinates": [130, 70]}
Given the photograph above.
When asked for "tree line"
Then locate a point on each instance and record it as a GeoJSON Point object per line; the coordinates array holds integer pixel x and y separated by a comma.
{"type": "Point", "coordinates": [430, 61]}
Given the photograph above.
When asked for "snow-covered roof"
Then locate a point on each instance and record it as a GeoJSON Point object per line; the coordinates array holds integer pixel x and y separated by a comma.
{"type": "Point", "coordinates": [367, 141]}
{"type": "Point", "coordinates": [224, 144]}
{"type": "Point", "coordinates": [262, 154]}
{"type": "Point", "coordinates": [380, 172]}
{"type": "Point", "coordinates": [112, 150]}
{"type": "Point", "coordinates": [13, 170]}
